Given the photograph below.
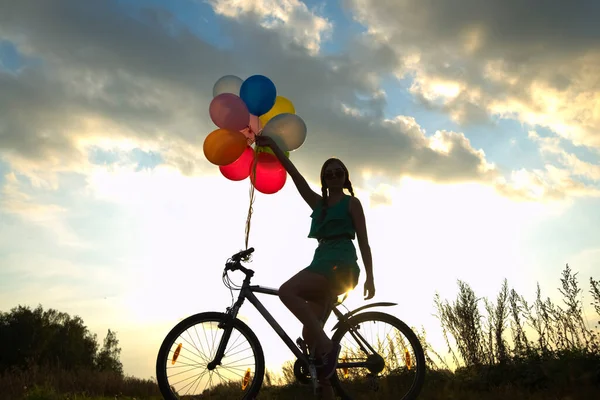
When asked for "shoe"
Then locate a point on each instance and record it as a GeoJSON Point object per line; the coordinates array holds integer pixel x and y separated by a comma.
{"type": "Point", "coordinates": [330, 361]}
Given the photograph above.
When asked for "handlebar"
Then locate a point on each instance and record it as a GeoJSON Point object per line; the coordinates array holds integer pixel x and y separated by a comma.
{"type": "Point", "coordinates": [234, 263]}
{"type": "Point", "coordinates": [242, 254]}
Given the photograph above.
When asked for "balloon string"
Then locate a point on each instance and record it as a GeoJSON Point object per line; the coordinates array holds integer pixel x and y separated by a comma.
{"type": "Point", "coordinates": [249, 217]}
{"type": "Point", "coordinates": [252, 134]}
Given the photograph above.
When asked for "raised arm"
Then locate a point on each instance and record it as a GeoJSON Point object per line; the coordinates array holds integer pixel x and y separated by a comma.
{"type": "Point", "coordinates": [310, 196]}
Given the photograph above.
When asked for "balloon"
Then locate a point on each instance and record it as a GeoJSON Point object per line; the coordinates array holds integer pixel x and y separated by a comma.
{"type": "Point", "coordinates": [259, 94]}
{"type": "Point", "coordinates": [228, 111]}
{"type": "Point", "coordinates": [251, 130]}
{"type": "Point", "coordinates": [255, 124]}
{"type": "Point", "coordinates": [240, 168]}
{"type": "Point", "coordinates": [224, 146]}
{"type": "Point", "coordinates": [228, 84]}
{"type": "Point", "coordinates": [269, 175]}
{"type": "Point", "coordinates": [267, 149]}
{"type": "Point", "coordinates": [287, 130]}
{"type": "Point", "coordinates": [282, 105]}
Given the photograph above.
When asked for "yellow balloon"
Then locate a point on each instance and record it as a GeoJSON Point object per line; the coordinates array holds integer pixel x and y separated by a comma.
{"type": "Point", "coordinates": [282, 105]}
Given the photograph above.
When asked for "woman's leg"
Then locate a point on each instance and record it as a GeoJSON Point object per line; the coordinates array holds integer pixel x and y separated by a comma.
{"type": "Point", "coordinates": [295, 293]}
{"type": "Point", "coordinates": [319, 308]}
{"type": "Point", "coordinates": [326, 391]}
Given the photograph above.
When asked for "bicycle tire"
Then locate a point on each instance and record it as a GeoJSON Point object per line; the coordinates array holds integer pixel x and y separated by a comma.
{"type": "Point", "coordinates": [417, 385]}
{"type": "Point", "coordinates": [163, 353]}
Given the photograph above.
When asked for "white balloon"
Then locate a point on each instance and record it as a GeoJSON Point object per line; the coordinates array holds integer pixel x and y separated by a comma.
{"type": "Point", "coordinates": [228, 84]}
{"type": "Point", "coordinates": [287, 130]}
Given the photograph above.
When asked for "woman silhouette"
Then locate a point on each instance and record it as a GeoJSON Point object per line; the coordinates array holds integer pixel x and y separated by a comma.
{"type": "Point", "coordinates": [336, 219]}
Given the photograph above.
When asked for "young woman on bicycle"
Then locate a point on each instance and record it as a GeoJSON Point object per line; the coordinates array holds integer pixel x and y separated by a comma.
{"type": "Point", "coordinates": [336, 219]}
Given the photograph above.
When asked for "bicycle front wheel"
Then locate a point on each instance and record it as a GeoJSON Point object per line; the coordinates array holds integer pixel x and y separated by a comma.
{"type": "Point", "coordinates": [181, 365]}
{"type": "Point", "coordinates": [379, 354]}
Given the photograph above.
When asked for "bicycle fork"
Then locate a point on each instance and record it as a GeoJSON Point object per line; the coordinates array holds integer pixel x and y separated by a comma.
{"type": "Point", "coordinates": [227, 327]}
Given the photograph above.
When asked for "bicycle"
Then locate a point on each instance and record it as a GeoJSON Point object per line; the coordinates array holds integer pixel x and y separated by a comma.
{"type": "Point", "coordinates": [357, 370]}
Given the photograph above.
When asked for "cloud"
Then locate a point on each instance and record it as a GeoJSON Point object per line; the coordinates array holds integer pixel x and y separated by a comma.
{"type": "Point", "coordinates": [548, 184]}
{"type": "Point", "coordinates": [532, 60]}
{"type": "Point", "coordinates": [573, 165]}
{"type": "Point", "coordinates": [381, 196]}
{"type": "Point", "coordinates": [564, 175]}
{"type": "Point", "coordinates": [292, 18]}
{"type": "Point", "coordinates": [117, 81]}
{"type": "Point", "coordinates": [109, 77]}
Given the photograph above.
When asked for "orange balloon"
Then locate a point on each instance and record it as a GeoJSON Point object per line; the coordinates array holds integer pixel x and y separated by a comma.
{"type": "Point", "coordinates": [224, 146]}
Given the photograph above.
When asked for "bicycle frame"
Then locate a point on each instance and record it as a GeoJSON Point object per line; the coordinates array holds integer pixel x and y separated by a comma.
{"type": "Point", "coordinates": [248, 292]}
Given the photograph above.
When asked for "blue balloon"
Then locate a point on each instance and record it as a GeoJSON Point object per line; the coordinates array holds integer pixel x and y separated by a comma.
{"type": "Point", "coordinates": [259, 94]}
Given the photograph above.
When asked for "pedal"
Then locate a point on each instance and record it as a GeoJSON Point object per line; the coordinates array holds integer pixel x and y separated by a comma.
{"type": "Point", "coordinates": [302, 345]}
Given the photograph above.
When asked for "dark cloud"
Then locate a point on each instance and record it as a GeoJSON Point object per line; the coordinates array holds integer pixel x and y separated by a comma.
{"type": "Point", "coordinates": [512, 27]}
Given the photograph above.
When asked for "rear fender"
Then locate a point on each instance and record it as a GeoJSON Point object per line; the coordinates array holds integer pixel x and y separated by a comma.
{"type": "Point", "coordinates": [349, 314]}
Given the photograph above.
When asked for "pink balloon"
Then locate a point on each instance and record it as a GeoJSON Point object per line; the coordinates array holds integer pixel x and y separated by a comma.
{"type": "Point", "coordinates": [240, 168]}
{"type": "Point", "coordinates": [229, 111]}
{"type": "Point", "coordinates": [252, 129]}
{"type": "Point", "coordinates": [255, 124]}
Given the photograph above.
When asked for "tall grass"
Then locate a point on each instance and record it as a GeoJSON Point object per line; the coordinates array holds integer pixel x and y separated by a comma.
{"type": "Point", "coordinates": [541, 327]}
{"type": "Point", "coordinates": [532, 345]}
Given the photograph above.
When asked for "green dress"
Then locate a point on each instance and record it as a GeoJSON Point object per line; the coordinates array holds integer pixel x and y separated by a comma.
{"type": "Point", "coordinates": [335, 258]}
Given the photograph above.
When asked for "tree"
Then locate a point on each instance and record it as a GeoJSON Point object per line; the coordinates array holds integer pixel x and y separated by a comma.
{"type": "Point", "coordinates": [53, 339]}
{"type": "Point", "coordinates": [108, 357]}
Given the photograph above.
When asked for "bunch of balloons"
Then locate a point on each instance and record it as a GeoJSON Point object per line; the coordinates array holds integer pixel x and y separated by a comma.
{"type": "Point", "coordinates": [242, 109]}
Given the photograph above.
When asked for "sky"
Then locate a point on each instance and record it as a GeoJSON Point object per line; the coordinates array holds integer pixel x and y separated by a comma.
{"type": "Point", "coordinates": [470, 129]}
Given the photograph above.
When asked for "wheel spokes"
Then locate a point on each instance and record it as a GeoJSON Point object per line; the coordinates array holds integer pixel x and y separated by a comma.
{"type": "Point", "coordinates": [190, 353]}
{"type": "Point", "coordinates": [376, 350]}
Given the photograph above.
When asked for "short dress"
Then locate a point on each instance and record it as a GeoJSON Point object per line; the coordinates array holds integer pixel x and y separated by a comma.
{"type": "Point", "coordinates": [335, 257]}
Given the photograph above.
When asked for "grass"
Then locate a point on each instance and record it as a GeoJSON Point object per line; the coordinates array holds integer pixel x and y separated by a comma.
{"type": "Point", "coordinates": [37, 383]}
{"type": "Point", "coordinates": [506, 349]}
{"type": "Point", "coordinates": [440, 384]}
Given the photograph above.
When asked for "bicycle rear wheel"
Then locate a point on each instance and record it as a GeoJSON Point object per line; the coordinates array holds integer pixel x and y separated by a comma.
{"type": "Point", "coordinates": [380, 354]}
{"type": "Point", "coordinates": [181, 365]}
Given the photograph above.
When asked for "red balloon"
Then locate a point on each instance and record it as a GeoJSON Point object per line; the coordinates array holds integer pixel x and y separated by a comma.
{"type": "Point", "coordinates": [240, 168]}
{"type": "Point", "coordinates": [270, 175]}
